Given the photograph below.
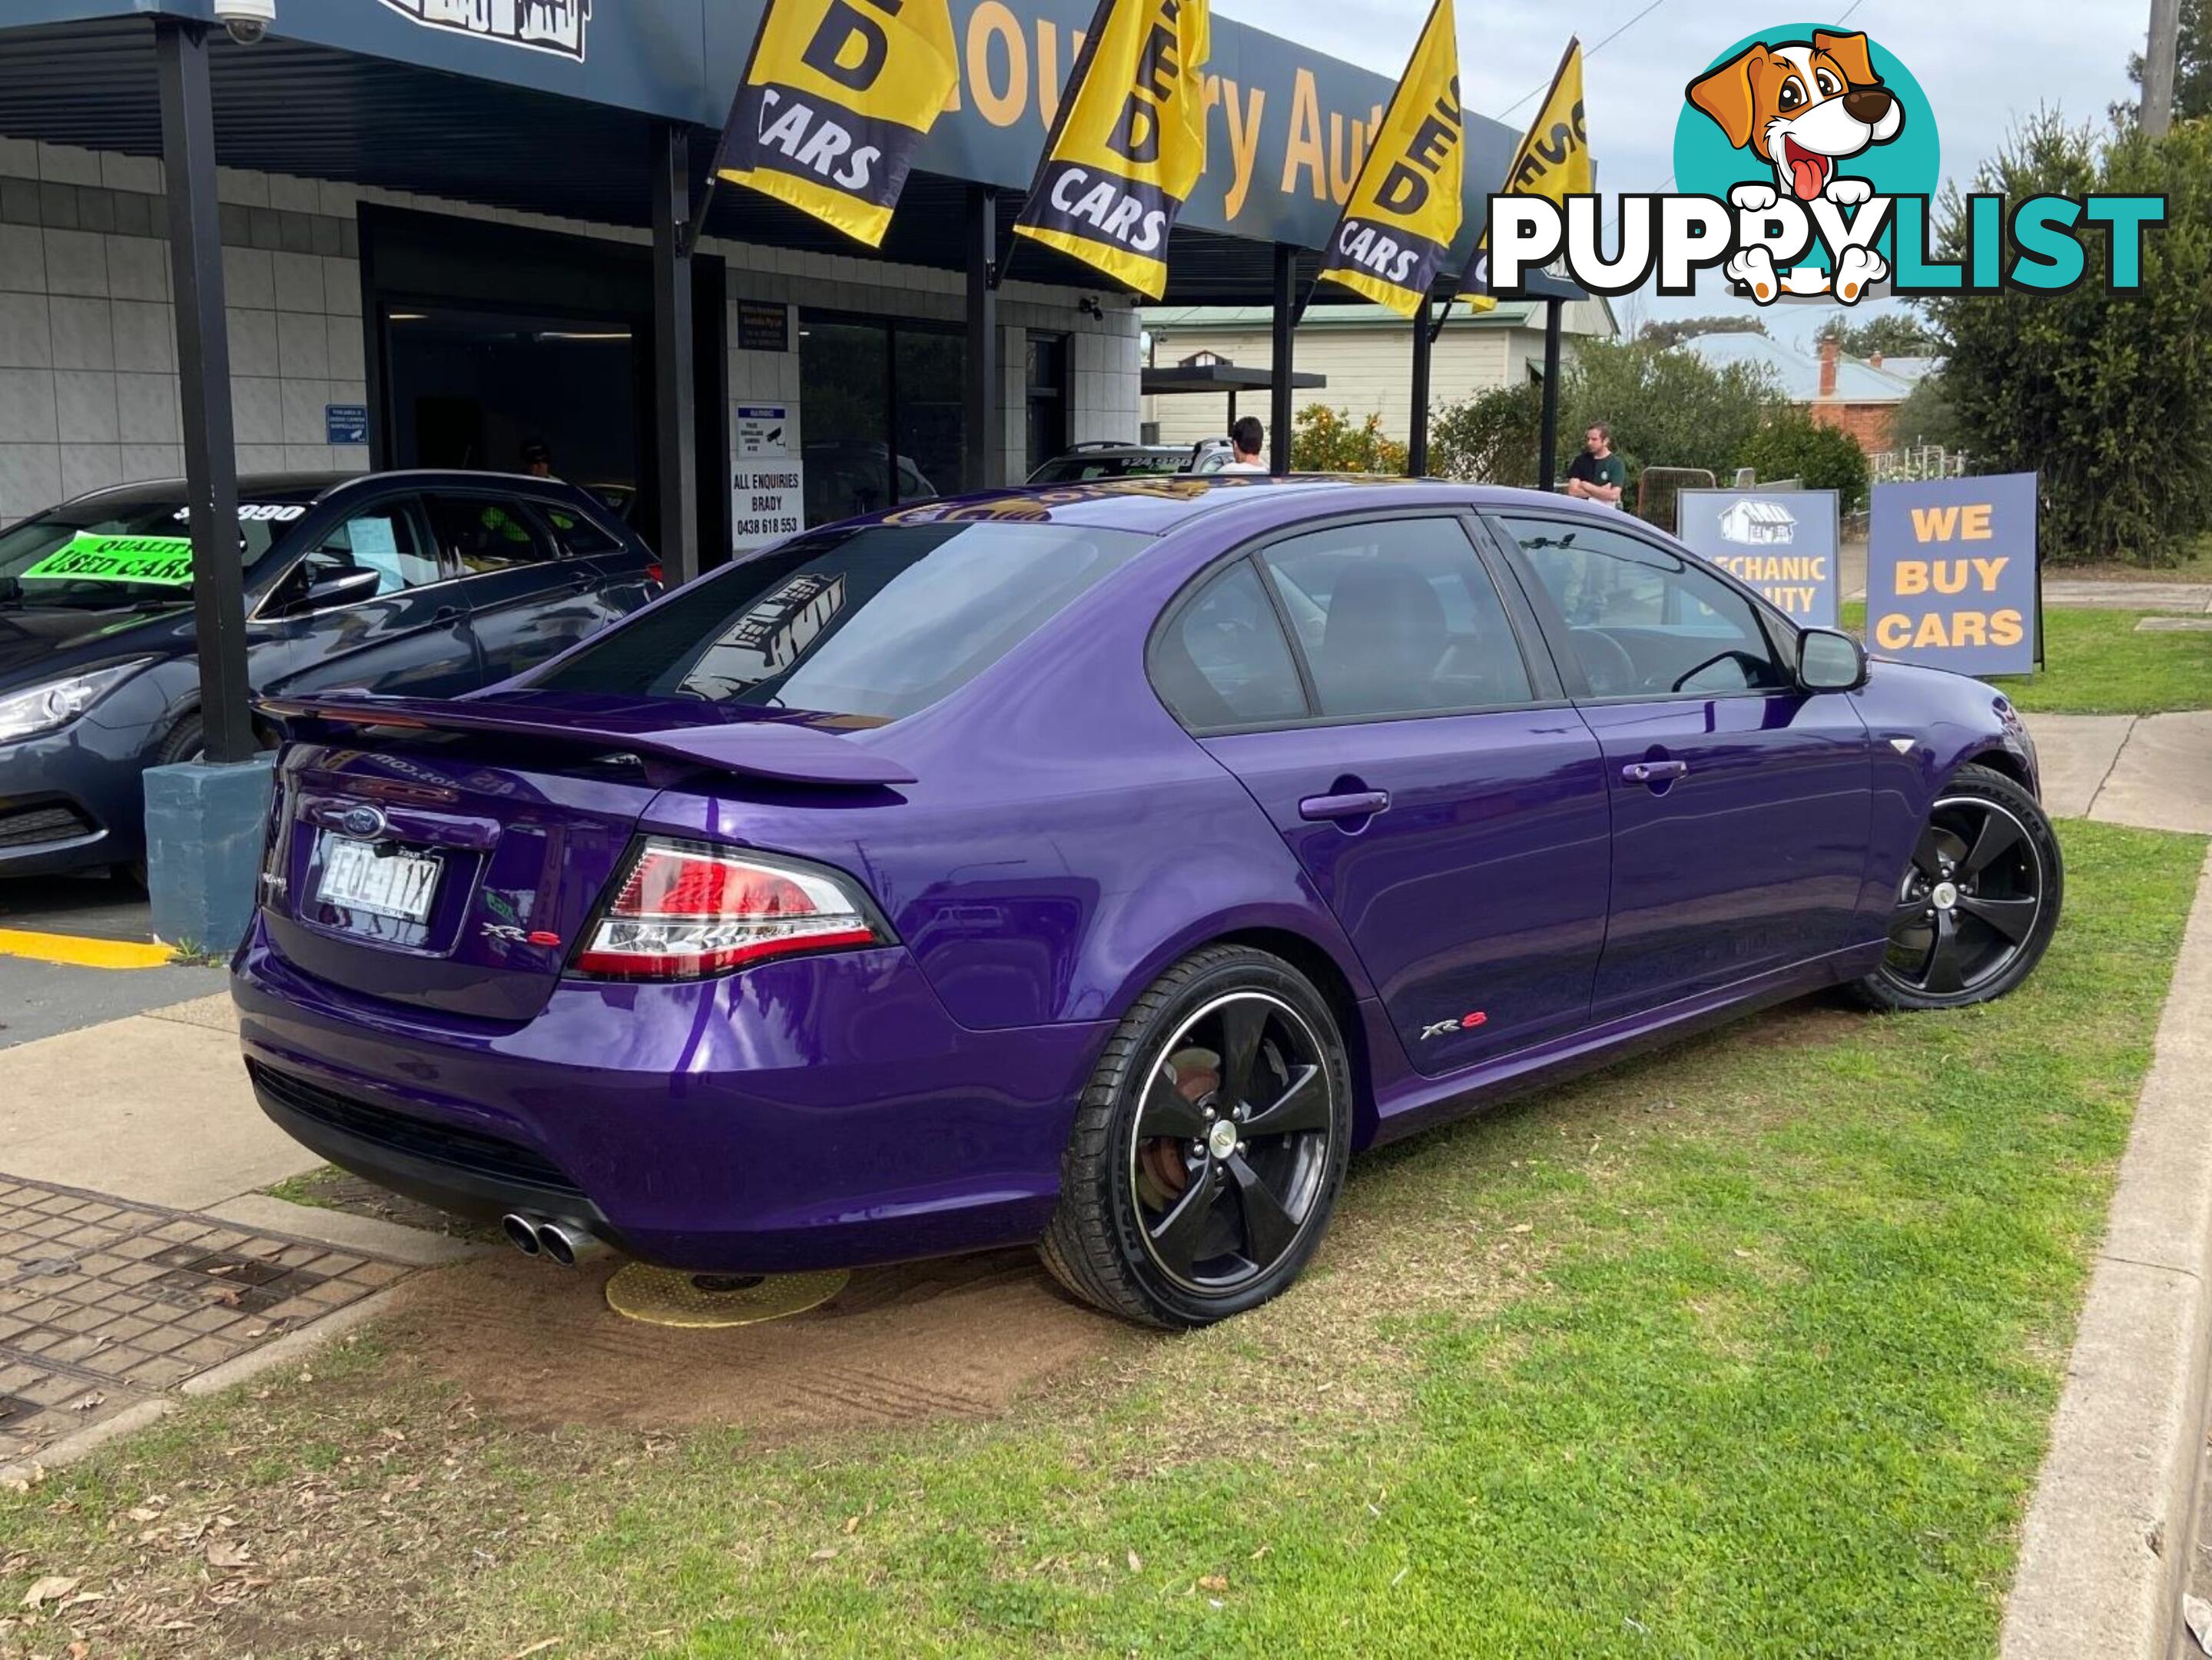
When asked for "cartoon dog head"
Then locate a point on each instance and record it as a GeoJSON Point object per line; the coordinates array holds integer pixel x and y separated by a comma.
{"type": "Point", "coordinates": [1802, 105]}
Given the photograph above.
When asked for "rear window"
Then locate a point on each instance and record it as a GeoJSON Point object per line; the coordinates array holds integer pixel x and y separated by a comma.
{"type": "Point", "coordinates": [873, 622]}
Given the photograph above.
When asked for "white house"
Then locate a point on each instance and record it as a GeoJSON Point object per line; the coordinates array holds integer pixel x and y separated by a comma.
{"type": "Point", "coordinates": [1365, 351]}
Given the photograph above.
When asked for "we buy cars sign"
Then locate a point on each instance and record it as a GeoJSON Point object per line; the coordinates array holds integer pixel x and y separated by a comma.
{"type": "Point", "coordinates": [1951, 574]}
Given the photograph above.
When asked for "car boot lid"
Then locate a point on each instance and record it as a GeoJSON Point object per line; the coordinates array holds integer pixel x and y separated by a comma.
{"type": "Point", "coordinates": [755, 744]}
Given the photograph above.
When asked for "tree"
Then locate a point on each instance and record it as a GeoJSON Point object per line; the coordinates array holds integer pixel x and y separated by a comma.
{"type": "Point", "coordinates": [2192, 69]}
{"type": "Point", "coordinates": [2100, 393]}
{"type": "Point", "coordinates": [1325, 441]}
{"type": "Point", "coordinates": [1665, 408]}
{"type": "Point", "coordinates": [1672, 331]}
{"type": "Point", "coordinates": [1927, 416]}
{"type": "Point", "coordinates": [1899, 336]}
{"type": "Point", "coordinates": [1792, 445]}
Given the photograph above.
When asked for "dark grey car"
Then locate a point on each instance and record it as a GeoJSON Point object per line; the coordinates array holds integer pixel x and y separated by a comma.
{"type": "Point", "coordinates": [431, 583]}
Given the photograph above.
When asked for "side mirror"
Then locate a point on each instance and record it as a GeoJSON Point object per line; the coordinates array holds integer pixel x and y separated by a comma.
{"type": "Point", "coordinates": [1830, 660]}
{"type": "Point", "coordinates": [345, 588]}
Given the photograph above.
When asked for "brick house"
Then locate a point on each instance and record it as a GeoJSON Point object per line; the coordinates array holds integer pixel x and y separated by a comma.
{"type": "Point", "coordinates": [1859, 396]}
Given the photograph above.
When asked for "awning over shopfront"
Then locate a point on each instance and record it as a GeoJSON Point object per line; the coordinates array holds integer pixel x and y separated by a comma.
{"type": "Point", "coordinates": [369, 92]}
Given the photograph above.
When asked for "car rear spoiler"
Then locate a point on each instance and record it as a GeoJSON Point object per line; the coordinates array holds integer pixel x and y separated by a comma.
{"type": "Point", "coordinates": [758, 749]}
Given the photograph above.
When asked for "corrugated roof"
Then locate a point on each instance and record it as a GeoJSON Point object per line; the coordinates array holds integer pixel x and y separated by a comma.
{"type": "Point", "coordinates": [1798, 373]}
{"type": "Point", "coordinates": [1323, 315]}
{"type": "Point", "coordinates": [1914, 369]}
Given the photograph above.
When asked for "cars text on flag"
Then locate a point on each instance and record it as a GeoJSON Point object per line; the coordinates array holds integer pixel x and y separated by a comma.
{"type": "Point", "coordinates": [1553, 161]}
{"type": "Point", "coordinates": [1405, 206]}
{"type": "Point", "coordinates": [835, 98]}
{"type": "Point", "coordinates": [1130, 142]}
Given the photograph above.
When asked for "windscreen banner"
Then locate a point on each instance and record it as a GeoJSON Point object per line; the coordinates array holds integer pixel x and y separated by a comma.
{"type": "Point", "coordinates": [1782, 542]}
{"type": "Point", "coordinates": [1129, 143]}
{"type": "Point", "coordinates": [836, 98]}
{"type": "Point", "coordinates": [1951, 574]}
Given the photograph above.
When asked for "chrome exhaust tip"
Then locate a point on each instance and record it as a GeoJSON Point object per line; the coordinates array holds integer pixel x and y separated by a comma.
{"type": "Point", "coordinates": [521, 1233]}
{"type": "Point", "coordinates": [564, 1243]}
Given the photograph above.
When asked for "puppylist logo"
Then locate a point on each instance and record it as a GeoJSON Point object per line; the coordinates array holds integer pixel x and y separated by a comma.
{"type": "Point", "coordinates": [1808, 158]}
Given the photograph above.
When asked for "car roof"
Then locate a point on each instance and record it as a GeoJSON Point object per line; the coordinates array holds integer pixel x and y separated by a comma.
{"type": "Point", "coordinates": [1157, 505]}
{"type": "Point", "coordinates": [308, 487]}
{"type": "Point", "coordinates": [252, 487]}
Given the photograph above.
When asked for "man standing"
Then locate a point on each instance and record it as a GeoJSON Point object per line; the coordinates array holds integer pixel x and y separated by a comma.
{"type": "Point", "coordinates": [1247, 438]}
{"type": "Point", "coordinates": [1597, 474]}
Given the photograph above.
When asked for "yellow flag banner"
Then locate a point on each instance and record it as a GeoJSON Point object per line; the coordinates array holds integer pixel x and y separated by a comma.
{"type": "Point", "coordinates": [1130, 142]}
{"type": "Point", "coordinates": [1553, 161]}
{"type": "Point", "coordinates": [1404, 208]}
{"type": "Point", "coordinates": [835, 98]}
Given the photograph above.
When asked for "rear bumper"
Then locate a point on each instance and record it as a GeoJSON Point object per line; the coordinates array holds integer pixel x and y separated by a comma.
{"type": "Point", "coordinates": [824, 1112]}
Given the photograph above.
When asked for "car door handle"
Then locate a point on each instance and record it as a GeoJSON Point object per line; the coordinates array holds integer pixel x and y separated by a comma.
{"type": "Point", "coordinates": [1653, 772]}
{"type": "Point", "coordinates": [1359, 804]}
{"type": "Point", "coordinates": [449, 613]}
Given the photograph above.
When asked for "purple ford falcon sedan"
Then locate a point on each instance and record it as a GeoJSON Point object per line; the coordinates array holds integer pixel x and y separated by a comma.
{"type": "Point", "coordinates": [1101, 867]}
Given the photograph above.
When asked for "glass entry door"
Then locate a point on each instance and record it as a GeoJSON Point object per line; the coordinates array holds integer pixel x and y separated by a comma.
{"type": "Point", "coordinates": [881, 413]}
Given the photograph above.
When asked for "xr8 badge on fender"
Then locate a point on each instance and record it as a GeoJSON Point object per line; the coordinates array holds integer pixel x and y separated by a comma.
{"type": "Point", "coordinates": [1444, 1028]}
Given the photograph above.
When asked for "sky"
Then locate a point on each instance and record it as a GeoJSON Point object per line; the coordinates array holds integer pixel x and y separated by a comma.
{"type": "Point", "coordinates": [1984, 65]}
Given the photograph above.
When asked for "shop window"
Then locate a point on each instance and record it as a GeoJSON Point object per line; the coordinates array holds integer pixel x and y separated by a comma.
{"type": "Point", "coordinates": [1047, 381]}
{"type": "Point", "coordinates": [881, 413]}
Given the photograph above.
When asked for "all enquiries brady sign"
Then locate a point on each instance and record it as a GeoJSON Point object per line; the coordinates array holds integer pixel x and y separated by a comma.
{"type": "Point", "coordinates": [768, 491]}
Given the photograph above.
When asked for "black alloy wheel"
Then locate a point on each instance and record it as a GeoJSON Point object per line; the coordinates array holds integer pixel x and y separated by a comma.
{"type": "Point", "coordinates": [1230, 1143]}
{"type": "Point", "coordinates": [1210, 1147]}
{"type": "Point", "coordinates": [1978, 900]}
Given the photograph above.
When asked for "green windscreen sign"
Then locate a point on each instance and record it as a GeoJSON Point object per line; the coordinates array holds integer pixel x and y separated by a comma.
{"type": "Point", "coordinates": [163, 560]}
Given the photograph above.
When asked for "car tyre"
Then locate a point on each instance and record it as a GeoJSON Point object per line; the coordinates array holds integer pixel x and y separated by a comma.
{"type": "Point", "coordinates": [1209, 1147]}
{"type": "Point", "coordinates": [1978, 902]}
{"type": "Point", "coordinates": [187, 741]}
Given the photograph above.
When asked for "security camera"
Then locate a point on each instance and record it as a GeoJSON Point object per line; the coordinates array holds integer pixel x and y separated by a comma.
{"type": "Point", "coordinates": [248, 21]}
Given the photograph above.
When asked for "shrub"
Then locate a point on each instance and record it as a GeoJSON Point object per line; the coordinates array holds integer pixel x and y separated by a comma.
{"type": "Point", "coordinates": [1492, 438]}
{"type": "Point", "coordinates": [1324, 440]}
{"type": "Point", "coordinates": [1792, 445]}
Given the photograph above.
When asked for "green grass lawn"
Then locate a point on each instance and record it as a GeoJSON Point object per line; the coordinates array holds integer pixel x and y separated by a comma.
{"type": "Point", "coordinates": [1746, 1348]}
{"type": "Point", "coordinates": [2095, 663]}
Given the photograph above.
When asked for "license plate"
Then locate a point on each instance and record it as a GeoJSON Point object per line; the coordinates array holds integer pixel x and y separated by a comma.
{"type": "Point", "coordinates": [384, 881]}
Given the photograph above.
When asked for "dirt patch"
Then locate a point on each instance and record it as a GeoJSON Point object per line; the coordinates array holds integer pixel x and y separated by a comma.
{"type": "Point", "coordinates": [961, 1338]}
{"type": "Point", "coordinates": [332, 1189]}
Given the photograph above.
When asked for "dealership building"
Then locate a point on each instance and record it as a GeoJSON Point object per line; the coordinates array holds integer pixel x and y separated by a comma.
{"type": "Point", "coordinates": [437, 231]}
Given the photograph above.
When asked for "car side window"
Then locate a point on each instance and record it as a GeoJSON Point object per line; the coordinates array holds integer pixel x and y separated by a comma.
{"type": "Point", "coordinates": [1222, 660]}
{"type": "Point", "coordinates": [1645, 621]}
{"type": "Point", "coordinates": [1398, 617]}
{"type": "Point", "coordinates": [581, 537]}
{"type": "Point", "coordinates": [384, 538]}
{"type": "Point", "coordinates": [481, 533]}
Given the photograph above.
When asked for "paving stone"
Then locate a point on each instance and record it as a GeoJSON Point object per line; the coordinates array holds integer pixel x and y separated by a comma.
{"type": "Point", "coordinates": [104, 1304]}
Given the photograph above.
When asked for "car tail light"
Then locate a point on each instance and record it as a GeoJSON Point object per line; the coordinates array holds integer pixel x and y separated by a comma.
{"type": "Point", "coordinates": [654, 573]}
{"type": "Point", "coordinates": [684, 909]}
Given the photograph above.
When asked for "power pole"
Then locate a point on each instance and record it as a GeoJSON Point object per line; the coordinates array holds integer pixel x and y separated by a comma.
{"type": "Point", "coordinates": [2165, 46]}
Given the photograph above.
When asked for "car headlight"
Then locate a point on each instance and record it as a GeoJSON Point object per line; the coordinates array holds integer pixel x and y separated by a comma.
{"type": "Point", "coordinates": [46, 707]}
